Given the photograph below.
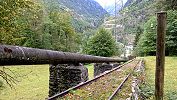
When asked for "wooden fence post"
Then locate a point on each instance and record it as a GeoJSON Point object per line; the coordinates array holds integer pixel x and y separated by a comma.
{"type": "Point", "coordinates": [160, 55]}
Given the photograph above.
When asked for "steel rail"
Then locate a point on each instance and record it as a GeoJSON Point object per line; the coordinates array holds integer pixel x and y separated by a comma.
{"type": "Point", "coordinates": [119, 87]}
{"type": "Point", "coordinates": [17, 55]}
{"type": "Point", "coordinates": [123, 82]}
{"type": "Point", "coordinates": [87, 82]}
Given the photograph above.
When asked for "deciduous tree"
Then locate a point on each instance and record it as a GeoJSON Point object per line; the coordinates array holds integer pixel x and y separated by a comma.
{"type": "Point", "coordinates": [102, 44]}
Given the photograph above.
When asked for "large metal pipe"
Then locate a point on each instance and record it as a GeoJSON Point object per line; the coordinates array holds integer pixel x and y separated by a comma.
{"type": "Point", "coordinates": [16, 55]}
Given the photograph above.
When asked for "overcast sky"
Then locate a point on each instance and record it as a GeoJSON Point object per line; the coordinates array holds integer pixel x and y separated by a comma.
{"type": "Point", "coordinates": [105, 3]}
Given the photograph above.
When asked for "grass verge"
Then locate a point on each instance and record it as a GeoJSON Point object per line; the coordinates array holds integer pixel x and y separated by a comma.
{"type": "Point", "coordinates": [170, 85]}
{"type": "Point", "coordinates": [32, 83]}
{"type": "Point", "coordinates": [90, 71]}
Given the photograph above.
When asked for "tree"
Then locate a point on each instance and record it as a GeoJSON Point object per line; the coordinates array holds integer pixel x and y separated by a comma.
{"type": "Point", "coordinates": [102, 44]}
{"type": "Point", "coordinates": [171, 38]}
{"type": "Point", "coordinates": [147, 43]}
{"type": "Point", "coordinates": [139, 31]}
{"type": "Point", "coordinates": [10, 11]}
{"type": "Point", "coordinates": [63, 34]}
{"type": "Point", "coordinates": [32, 21]}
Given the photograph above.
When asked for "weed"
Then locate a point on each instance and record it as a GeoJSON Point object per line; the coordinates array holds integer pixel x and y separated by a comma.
{"type": "Point", "coordinates": [172, 95]}
{"type": "Point", "coordinates": [1, 83]}
{"type": "Point", "coordinates": [146, 91]}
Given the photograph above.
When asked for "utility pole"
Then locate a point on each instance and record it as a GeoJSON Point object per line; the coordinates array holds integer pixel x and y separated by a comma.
{"type": "Point", "coordinates": [123, 27]}
{"type": "Point", "coordinates": [160, 55]}
{"type": "Point", "coordinates": [121, 4]}
{"type": "Point", "coordinates": [124, 42]}
{"type": "Point", "coordinates": [115, 23]}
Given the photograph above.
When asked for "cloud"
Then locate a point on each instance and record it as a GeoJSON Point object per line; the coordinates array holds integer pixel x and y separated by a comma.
{"type": "Point", "coordinates": [105, 3]}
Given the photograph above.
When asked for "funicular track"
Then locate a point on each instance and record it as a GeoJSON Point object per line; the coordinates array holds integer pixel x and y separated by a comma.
{"type": "Point", "coordinates": [104, 86]}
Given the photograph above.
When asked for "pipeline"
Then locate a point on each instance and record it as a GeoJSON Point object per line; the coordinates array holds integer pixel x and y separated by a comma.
{"type": "Point", "coordinates": [17, 55]}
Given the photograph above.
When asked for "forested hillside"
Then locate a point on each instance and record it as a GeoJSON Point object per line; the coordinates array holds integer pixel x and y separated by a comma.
{"type": "Point", "coordinates": [49, 24]}
{"type": "Point", "coordinates": [86, 8]}
{"type": "Point", "coordinates": [85, 13]}
{"type": "Point", "coordinates": [139, 16]}
{"type": "Point", "coordinates": [137, 21]}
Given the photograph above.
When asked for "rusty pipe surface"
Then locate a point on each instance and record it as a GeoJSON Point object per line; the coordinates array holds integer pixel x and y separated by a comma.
{"type": "Point", "coordinates": [17, 55]}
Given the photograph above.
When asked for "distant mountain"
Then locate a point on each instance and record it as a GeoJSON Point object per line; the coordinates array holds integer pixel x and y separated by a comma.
{"type": "Point", "coordinates": [111, 9]}
{"type": "Point", "coordinates": [84, 11]}
{"type": "Point", "coordinates": [128, 3]}
{"type": "Point", "coordinates": [87, 8]}
{"type": "Point", "coordinates": [110, 6]}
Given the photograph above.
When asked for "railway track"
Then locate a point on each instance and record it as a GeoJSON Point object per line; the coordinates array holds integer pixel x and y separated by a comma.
{"type": "Point", "coordinates": [116, 95]}
{"type": "Point", "coordinates": [104, 86]}
{"type": "Point", "coordinates": [119, 87]}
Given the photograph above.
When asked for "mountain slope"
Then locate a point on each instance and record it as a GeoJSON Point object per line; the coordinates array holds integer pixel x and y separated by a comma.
{"type": "Point", "coordinates": [87, 8]}
{"type": "Point", "coordinates": [109, 5]}
{"type": "Point", "coordinates": [86, 14]}
{"type": "Point", "coordinates": [128, 3]}
{"type": "Point", "coordinates": [111, 9]}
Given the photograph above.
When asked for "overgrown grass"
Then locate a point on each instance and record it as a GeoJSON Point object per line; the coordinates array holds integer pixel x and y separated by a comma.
{"type": "Point", "coordinates": [90, 71]}
{"type": "Point", "coordinates": [170, 85]}
{"type": "Point", "coordinates": [33, 82]}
